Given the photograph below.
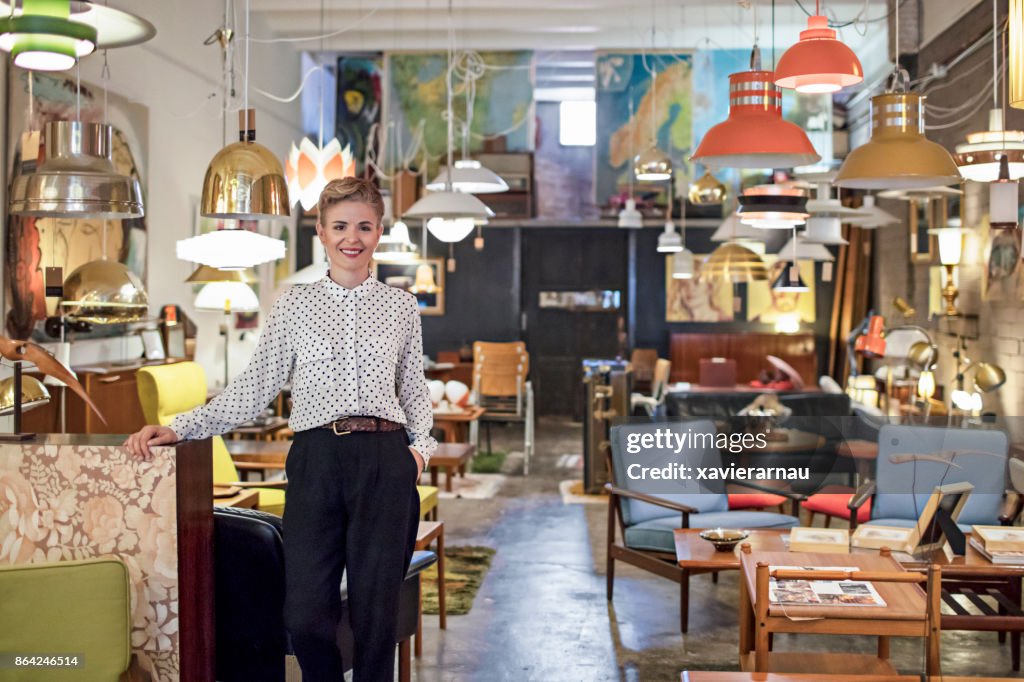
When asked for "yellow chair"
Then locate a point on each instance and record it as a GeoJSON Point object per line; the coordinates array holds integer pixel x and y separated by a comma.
{"type": "Point", "coordinates": [428, 501]}
{"type": "Point", "coordinates": [168, 390]}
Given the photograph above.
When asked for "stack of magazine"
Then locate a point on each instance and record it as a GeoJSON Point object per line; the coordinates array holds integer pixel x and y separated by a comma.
{"type": "Point", "coordinates": [822, 592]}
{"type": "Point", "coordinates": [999, 544]}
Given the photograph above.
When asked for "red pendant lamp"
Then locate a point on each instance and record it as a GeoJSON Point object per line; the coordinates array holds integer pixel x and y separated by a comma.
{"type": "Point", "coordinates": [755, 135]}
{"type": "Point", "coordinates": [818, 63]}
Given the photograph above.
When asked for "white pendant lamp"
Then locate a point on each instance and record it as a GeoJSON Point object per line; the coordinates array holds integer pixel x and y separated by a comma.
{"type": "Point", "coordinates": [669, 240]}
{"type": "Point", "coordinates": [682, 264]}
{"type": "Point", "coordinates": [469, 176]}
{"type": "Point", "coordinates": [1003, 198]}
{"type": "Point", "coordinates": [824, 230]}
{"type": "Point", "coordinates": [872, 216]}
{"type": "Point", "coordinates": [806, 250]}
{"type": "Point", "coordinates": [230, 249]}
{"type": "Point", "coordinates": [825, 205]}
{"type": "Point", "coordinates": [238, 296]}
{"type": "Point", "coordinates": [733, 228]}
{"type": "Point", "coordinates": [395, 246]}
{"type": "Point", "coordinates": [630, 217]}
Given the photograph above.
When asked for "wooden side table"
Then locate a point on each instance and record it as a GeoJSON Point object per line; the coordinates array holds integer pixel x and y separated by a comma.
{"type": "Point", "coordinates": [452, 457]}
{"type": "Point", "coordinates": [428, 532]}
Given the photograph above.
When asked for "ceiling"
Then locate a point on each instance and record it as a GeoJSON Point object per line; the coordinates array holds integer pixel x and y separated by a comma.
{"type": "Point", "coordinates": [557, 24]}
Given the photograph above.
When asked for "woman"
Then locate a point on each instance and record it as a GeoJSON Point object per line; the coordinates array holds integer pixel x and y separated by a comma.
{"type": "Point", "coordinates": [353, 349]}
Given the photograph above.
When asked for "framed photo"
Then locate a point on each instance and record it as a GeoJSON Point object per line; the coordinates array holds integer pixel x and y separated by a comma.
{"type": "Point", "coordinates": [422, 277]}
{"type": "Point", "coordinates": [922, 217]}
{"type": "Point", "coordinates": [174, 341]}
{"type": "Point", "coordinates": [153, 344]}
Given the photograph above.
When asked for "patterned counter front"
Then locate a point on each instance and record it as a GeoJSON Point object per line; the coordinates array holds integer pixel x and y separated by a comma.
{"type": "Point", "coordinates": [78, 497]}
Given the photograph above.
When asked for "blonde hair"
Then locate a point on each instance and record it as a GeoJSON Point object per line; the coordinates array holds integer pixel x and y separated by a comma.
{"type": "Point", "coordinates": [351, 189]}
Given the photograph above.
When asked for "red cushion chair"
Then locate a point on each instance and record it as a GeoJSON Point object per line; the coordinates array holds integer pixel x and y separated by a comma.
{"type": "Point", "coordinates": [832, 503]}
{"type": "Point", "coordinates": [755, 501]}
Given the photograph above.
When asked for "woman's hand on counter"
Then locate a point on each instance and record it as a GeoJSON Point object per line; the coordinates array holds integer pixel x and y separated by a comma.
{"type": "Point", "coordinates": [138, 443]}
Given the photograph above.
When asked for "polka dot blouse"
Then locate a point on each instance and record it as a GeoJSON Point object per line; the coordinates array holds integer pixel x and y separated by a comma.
{"type": "Point", "coordinates": [348, 352]}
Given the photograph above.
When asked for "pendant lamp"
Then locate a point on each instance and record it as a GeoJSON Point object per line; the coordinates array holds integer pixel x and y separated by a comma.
{"type": "Point", "coordinates": [630, 217]}
{"type": "Point", "coordinates": [682, 264]}
{"type": "Point", "coordinates": [396, 245]}
{"type": "Point", "coordinates": [823, 204]}
{"type": "Point", "coordinates": [872, 216]}
{"type": "Point", "coordinates": [806, 250]}
{"type": "Point", "coordinates": [424, 283]}
{"type": "Point", "coordinates": [1003, 197]}
{"type": "Point", "coordinates": [733, 229]}
{"type": "Point", "coordinates": [824, 230]}
{"type": "Point", "coordinates": [1015, 43]}
{"type": "Point", "coordinates": [114, 27]}
{"type": "Point", "coordinates": [225, 290]}
{"type": "Point", "coordinates": [789, 280]}
{"type": "Point", "coordinates": [244, 181]}
{"type": "Point", "coordinates": [755, 135]}
{"type": "Point", "coordinates": [669, 240]}
{"type": "Point", "coordinates": [469, 175]}
{"type": "Point", "coordinates": [707, 191]}
{"type": "Point", "coordinates": [43, 38]}
{"type": "Point", "coordinates": [734, 263]}
{"type": "Point", "coordinates": [979, 158]}
{"type": "Point", "coordinates": [772, 207]}
{"type": "Point", "coordinates": [104, 292]}
{"type": "Point", "coordinates": [898, 155]}
{"type": "Point", "coordinates": [652, 165]}
{"type": "Point", "coordinates": [76, 178]}
{"type": "Point", "coordinates": [230, 249]}
{"type": "Point", "coordinates": [818, 63]}
{"type": "Point", "coordinates": [310, 167]}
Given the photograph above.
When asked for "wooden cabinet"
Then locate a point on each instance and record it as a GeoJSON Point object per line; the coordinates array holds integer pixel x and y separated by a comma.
{"type": "Point", "coordinates": [114, 390]}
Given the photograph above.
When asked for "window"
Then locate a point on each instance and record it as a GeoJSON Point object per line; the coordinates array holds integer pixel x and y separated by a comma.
{"type": "Point", "coordinates": [577, 123]}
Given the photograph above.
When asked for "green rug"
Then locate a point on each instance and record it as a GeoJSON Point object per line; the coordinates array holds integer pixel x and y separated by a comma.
{"type": "Point", "coordinates": [488, 462]}
{"type": "Point", "coordinates": [464, 568]}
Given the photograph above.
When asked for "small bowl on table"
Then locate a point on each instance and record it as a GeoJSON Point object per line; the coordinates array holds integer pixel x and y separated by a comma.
{"type": "Point", "coordinates": [724, 539]}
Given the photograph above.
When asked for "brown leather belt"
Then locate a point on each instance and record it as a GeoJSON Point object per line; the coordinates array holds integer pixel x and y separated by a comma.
{"type": "Point", "coordinates": [346, 425]}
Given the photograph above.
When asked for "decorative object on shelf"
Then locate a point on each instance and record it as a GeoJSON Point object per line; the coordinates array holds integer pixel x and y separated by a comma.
{"type": "Point", "coordinates": [76, 178]}
{"type": "Point", "coordinates": [19, 352]}
{"type": "Point", "coordinates": [818, 63]}
{"type": "Point", "coordinates": [773, 207]}
{"type": "Point", "coordinates": [951, 244]}
{"type": "Point", "coordinates": [707, 191]}
{"type": "Point", "coordinates": [755, 135]}
{"type": "Point", "coordinates": [422, 277]}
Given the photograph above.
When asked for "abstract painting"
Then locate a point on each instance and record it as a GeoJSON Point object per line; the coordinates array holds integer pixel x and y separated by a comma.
{"type": "Point", "coordinates": [358, 109]}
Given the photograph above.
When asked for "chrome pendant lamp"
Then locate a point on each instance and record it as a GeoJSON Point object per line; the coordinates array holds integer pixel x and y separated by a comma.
{"type": "Point", "coordinates": [77, 178]}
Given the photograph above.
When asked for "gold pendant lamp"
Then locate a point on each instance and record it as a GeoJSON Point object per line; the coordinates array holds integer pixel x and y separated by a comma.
{"type": "Point", "coordinates": [245, 181]}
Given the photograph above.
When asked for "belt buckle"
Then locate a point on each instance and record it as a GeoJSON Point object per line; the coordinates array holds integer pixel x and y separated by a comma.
{"type": "Point", "coordinates": [334, 427]}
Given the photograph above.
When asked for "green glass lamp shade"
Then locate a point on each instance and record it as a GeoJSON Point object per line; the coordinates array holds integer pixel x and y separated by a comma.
{"type": "Point", "coordinates": [43, 38]}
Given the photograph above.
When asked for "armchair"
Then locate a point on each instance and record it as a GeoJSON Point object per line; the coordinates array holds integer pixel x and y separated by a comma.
{"type": "Point", "coordinates": [645, 521]}
{"type": "Point", "coordinates": [913, 460]}
{"type": "Point", "coordinates": [249, 589]}
{"type": "Point", "coordinates": [167, 390]}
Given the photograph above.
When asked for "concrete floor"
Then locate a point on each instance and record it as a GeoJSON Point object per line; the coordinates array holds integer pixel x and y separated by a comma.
{"type": "Point", "coordinates": [541, 613]}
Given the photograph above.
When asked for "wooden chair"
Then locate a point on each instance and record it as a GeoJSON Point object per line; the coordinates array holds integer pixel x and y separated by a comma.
{"type": "Point", "coordinates": [653, 402]}
{"type": "Point", "coordinates": [644, 363]}
{"type": "Point", "coordinates": [501, 387]}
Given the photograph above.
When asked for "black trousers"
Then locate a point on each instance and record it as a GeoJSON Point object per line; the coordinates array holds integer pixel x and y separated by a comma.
{"type": "Point", "coordinates": [352, 504]}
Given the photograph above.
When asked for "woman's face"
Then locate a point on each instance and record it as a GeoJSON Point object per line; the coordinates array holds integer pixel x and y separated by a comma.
{"type": "Point", "coordinates": [349, 231]}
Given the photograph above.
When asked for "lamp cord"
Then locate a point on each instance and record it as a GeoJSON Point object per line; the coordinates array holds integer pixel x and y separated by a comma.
{"type": "Point", "coordinates": [451, 116]}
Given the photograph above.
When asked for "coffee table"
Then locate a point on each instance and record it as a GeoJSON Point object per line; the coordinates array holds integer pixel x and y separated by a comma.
{"type": "Point", "coordinates": [971, 576]}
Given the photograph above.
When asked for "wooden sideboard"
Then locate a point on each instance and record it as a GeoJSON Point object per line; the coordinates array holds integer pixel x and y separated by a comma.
{"type": "Point", "coordinates": [749, 350]}
{"type": "Point", "coordinates": [114, 390]}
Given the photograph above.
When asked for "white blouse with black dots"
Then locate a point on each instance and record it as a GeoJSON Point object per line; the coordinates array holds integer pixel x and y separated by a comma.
{"type": "Point", "coordinates": [349, 352]}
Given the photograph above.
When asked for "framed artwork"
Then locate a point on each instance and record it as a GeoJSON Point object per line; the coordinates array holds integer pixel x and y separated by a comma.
{"type": "Point", "coordinates": [153, 344]}
{"type": "Point", "coordinates": [423, 278]}
{"type": "Point", "coordinates": [698, 299]}
{"type": "Point", "coordinates": [923, 215]}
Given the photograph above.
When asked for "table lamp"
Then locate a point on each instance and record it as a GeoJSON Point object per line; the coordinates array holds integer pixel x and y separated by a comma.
{"type": "Point", "coordinates": [227, 291]}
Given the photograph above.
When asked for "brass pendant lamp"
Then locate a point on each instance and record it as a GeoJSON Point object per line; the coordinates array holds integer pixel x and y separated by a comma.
{"type": "Point", "coordinates": [734, 263]}
{"type": "Point", "coordinates": [104, 292]}
{"type": "Point", "coordinates": [245, 181]}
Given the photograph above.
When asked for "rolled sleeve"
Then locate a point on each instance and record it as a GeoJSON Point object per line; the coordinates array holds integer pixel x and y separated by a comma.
{"type": "Point", "coordinates": [413, 394]}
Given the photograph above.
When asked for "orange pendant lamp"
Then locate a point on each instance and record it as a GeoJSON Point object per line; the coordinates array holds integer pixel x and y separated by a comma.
{"type": "Point", "coordinates": [818, 63]}
{"type": "Point", "coordinates": [755, 135]}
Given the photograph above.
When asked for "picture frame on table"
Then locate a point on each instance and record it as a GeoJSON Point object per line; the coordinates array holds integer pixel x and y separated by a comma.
{"type": "Point", "coordinates": [928, 534]}
{"type": "Point", "coordinates": [153, 344]}
{"type": "Point", "coordinates": [422, 277]}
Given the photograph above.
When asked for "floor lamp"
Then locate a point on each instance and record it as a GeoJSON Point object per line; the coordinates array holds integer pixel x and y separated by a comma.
{"type": "Point", "coordinates": [227, 291]}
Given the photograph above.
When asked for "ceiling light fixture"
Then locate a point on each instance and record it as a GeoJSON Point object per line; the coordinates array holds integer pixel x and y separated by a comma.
{"type": "Point", "coordinates": [824, 230]}
{"type": "Point", "coordinates": [43, 37]}
{"type": "Point", "coordinates": [734, 263]}
{"type": "Point", "coordinates": [872, 216]}
{"type": "Point", "coordinates": [230, 249]}
{"type": "Point", "coordinates": [818, 63]}
{"type": "Point", "coordinates": [755, 135]}
{"type": "Point", "coordinates": [772, 207]}
{"type": "Point", "coordinates": [707, 191]}
{"type": "Point", "coordinates": [652, 164]}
